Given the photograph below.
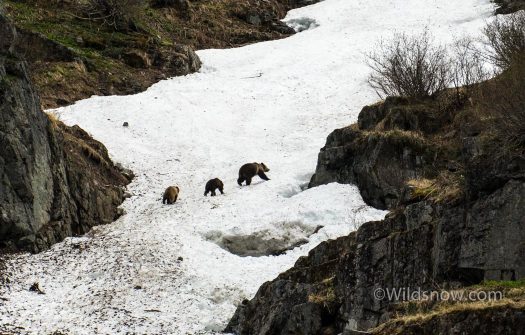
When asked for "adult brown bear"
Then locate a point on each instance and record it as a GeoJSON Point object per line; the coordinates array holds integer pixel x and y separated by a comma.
{"type": "Point", "coordinates": [170, 195]}
{"type": "Point", "coordinates": [212, 185]}
{"type": "Point", "coordinates": [248, 171]}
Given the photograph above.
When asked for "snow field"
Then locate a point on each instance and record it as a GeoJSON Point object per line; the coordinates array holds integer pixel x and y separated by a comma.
{"type": "Point", "coordinates": [159, 269]}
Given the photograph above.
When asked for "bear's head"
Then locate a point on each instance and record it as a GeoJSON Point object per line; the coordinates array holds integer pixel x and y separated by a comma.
{"type": "Point", "coordinates": [264, 167]}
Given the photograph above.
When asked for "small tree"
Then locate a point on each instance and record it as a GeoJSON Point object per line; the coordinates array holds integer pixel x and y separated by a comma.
{"type": "Point", "coordinates": [467, 65]}
{"type": "Point", "coordinates": [409, 66]}
{"type": "Point", "coordinates": [505, 39]}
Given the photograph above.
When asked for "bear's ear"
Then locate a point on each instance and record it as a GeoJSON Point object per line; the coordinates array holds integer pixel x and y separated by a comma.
{"type": "Point", "coordinates": [177, 188]}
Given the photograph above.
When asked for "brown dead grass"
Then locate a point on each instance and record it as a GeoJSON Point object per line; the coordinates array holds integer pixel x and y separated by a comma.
{"type": "Point", "coordinates": [446, 188]}
{"type": "Point", "coordinates": [420, 311]}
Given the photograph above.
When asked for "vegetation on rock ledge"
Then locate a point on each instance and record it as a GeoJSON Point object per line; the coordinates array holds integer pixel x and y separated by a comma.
{"type": "Point", "coordinates": [79, 48]}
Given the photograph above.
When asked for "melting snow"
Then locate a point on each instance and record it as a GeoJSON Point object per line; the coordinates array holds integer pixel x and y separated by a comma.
{"type": "Point", "coordinates": [159, 269]}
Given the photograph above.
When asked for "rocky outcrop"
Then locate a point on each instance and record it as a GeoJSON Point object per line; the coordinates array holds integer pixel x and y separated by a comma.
{"type": "Point", "coordinates": [55, 181]}
{"type": "Point", "coordinates": [425, 246]}
{"type": "Point", "coordinates": [509, 6]}
{"type": "Point", "coordinates": [385, 150]}
{"type": "Point", "coordinates": [35, 47]}
{"type": "Point", "coordinates": [304, 299]}
{"type": "Point", "coordinates": [452, 232]}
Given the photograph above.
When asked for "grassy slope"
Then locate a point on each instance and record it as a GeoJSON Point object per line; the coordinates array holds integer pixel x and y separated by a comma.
{"type": "Point", "coordinates": [100, 70]}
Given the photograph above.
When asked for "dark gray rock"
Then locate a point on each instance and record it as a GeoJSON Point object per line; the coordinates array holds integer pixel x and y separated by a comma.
{"type": "Point", "coordinates": [378, 163]}
{"type": "Point", "coordinates": [298, 301]}
{"type": "Point", "coordinates": [282, 28]}
{"type": "Point", "coordinates": [302, 3]}
{"type": "Point", "coordinates": [431, 248]}
{"type": "Point", "coordinates": [137, 59]}
{"type": "Point", "coordinates": [253, 18]}
{"type": "Point", "coordinates": [386, 149]}
{"type": "Point", "coordinates": [509, 6]}
{"type": "Point", "coordinates": [34, 47]}
{"type": "Point", "coordinates": [179, 60]}
{"type": "Point", "coordinates": [55, 181]}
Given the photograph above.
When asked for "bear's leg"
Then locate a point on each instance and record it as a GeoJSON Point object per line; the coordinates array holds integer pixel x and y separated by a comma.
{"type": "Point", "coordinates": [206, 192]}
{"type": "Point", "coordinates": [213, 193]}
{"type": "Point", "coordinates": [222, 190]}
{"type": "Point", "coordinates": [263, 176]}
{"type": "Point", "coordinates": [248, 180]}
{"type": "Point", "coordinates": [240, 180]}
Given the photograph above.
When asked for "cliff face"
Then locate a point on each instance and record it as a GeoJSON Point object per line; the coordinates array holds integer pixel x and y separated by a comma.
{"type": "Point", "coordinates": [55, 181]}
{"type": "Point", "coordinates": [457, 202]}
{"type": "Point", "coordinates": [386, 149]}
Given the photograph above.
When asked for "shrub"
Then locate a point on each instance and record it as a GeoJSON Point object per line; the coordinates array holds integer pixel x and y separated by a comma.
{"type": "Point", "coordinates": [409, 66]}
{"type": "Point", "coordinates": [118, 14]}
{"type": "Point", "coordinates": [505, 39]}
{"type": "Point", "coordinates": [467, 64]}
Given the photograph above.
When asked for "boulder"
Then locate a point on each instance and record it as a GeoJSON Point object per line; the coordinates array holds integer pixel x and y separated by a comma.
{"type": "Point", "coordinates": [137, 59]}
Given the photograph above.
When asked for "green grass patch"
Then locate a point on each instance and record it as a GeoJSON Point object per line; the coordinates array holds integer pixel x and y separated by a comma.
{"type": "Point", "coordinates": [503, 284]}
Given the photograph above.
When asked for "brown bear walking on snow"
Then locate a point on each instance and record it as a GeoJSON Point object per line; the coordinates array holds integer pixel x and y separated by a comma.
{"type": "Point", "coordinates": [248, 171]}
{"type": "Point", "coordinates": [170, 195]}
{"type": "Point", "coordinates": [212, 185]}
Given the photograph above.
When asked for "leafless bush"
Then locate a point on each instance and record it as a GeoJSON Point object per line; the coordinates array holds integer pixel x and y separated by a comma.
{"type": "Point", "coordinates": [505, 39]}
{"type": "Point", "coordinates": [468, 66]}
{"type": "Point", "coordinates": [409, 66]}
{"type": "Point", "coordinates": [118, 14]}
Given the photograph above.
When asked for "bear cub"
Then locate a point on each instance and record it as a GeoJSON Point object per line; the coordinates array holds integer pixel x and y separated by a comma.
{"type": "Point", "coordinates": [170, 195]}
{"type": "Point", "coordinates": [212, 185]}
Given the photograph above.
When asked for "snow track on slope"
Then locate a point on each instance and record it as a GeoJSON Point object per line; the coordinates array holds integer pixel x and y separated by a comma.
{"type": "Point", "coordinates": [158, 270]}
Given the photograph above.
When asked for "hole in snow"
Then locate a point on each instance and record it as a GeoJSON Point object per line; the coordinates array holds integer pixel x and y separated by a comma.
{"type": "Point", "coordinates": [302, 24]}
{"type": "Point", "coordinates": [265, 242]}
{"type": "Point", "coordinates": [292, 190]}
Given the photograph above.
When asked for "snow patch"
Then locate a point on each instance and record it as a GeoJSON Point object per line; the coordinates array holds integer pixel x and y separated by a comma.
{"type": "Point", "coordinates": [302, 23]}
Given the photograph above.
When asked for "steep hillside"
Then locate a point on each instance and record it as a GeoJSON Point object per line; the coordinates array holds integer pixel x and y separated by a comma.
{"type": "Point", "coordinates": [75, 52]}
